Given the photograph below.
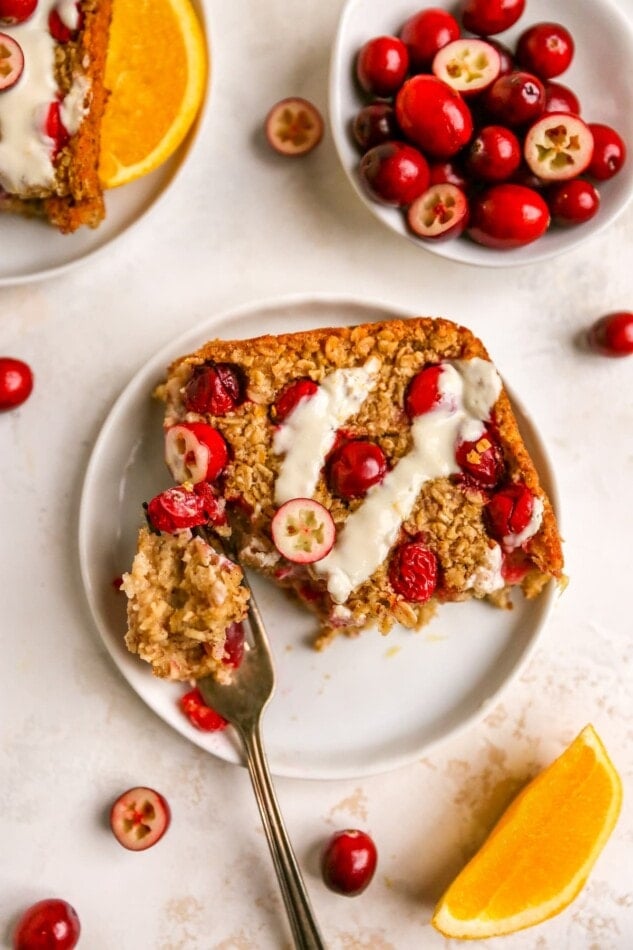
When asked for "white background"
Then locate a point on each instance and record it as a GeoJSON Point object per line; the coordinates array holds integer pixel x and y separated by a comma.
{"type": "Point", "coordinates": [240, 225]}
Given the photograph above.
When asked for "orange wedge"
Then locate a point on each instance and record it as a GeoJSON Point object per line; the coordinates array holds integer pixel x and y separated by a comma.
{"type": "Point", "coordinates": [156, 73]}
{"type": "Point", "coordinates": [539, 855]}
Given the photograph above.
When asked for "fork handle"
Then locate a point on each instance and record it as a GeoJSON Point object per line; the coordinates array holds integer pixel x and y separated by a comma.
{"type": "Point", "coordinates": [300, 914]}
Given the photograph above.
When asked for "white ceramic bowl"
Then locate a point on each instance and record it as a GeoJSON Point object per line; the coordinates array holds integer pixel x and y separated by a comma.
{"type": "Point", "coordinates": [601, 75]}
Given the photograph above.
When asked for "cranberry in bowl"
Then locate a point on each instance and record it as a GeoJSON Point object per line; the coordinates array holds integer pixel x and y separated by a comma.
{"type": "Point", "coordinates": [600, 32]}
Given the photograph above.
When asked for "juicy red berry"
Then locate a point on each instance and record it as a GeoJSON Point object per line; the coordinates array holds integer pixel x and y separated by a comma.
{"type": "Point", "coordinates": [509, 511]}
{"type": "Point", "coordinates": [50, 924]}
{"type": "Point", "coordinates": [234, 645]}
{"type": "Point", "coordinates": [58, 29]}
{"type": "Point", "coordinates": [355, 467]}
{"type": "Point", "coordinates": [423, 392]}
{"type": "Point", "coordinates": [515, 98]}
{"type": "Point", "coordinates": [55, 129]}
{"type": "Point", "coordinates": [612, 335]}
{"type": "Point", "coordinates": [199, 714]}
{"type": "Point", "coordinates": [482, 459]}
{"type": "Point", "coordinates": [546, 49]}
{"type": "Point", "coordinates": [514, 566]}
{"type": "Point", "coordinates": [293, 127]}
{"type": "Point", "coordinates": [291, 396]}
{"type": "Point", "coordinates": [440, 213]}
{"type": "Point", "coordinates": [427, 32]}
{"type": "Point", "coordinates": [609, 152]}
{"type": "Point", "coordinates": [572, 202]}
{"type": "Point", "coordinates": [348, 862]}
{"type": "Point", "coordinates": [494, 155]}
{"type": "Point", "coordinates": [434, 116]}
{"type": "Point", "coordinates": [213, 504]}
{"type": "Point", "coordinates": [413, 571]}
{"type": "Point", "coordinates": [507, 62]}
{"type": "Point", "coordinates": [559, 98]}
{"type": "Point", "coordinates": [16, 11]}
{"type": "Point", "coordinates": [375, 124]}
{"type": "Point", "coordinates": [394, 173]}
{"type": "Point", "coordinates": [176, 509]}
{"type": "Point", "coordinates": [139, 818]}
{"type": "Point", "coordinates": [215, 388]}
{"type": "Point", "coordinates": [485, 17]}
{"type": "Point", "coordinates": [450, 173]}
{"type": "Point", "coordinates": [508, 215]}
{"type": "Point", "coordinates": [16, 382]}
{"type": "Point", "coordinates": [381, 65]}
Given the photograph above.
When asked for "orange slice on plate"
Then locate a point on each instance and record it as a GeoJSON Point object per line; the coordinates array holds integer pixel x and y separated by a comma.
{"type": "Point", "coordinates": [156, 72]}
{"type": "Point", "coordinates": [539, 855]}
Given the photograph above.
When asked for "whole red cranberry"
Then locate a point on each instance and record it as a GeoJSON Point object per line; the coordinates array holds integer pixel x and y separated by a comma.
{"type": "Point", "coordinates": [482, 460]}
{"type": "Point", "coordinates": [506, 56]}
{"type": "Point", "coordinates": [609, 152]}
{"type": "Point", "coordinates": [433, 116]}
{"type": "Point", "coordinates": [612, 335]}
{"type": "Point", "coordinates": [381, 66]}
{"type": "Point", "coordinates": [176, 509]}
{"type": "Point", "coordinates": [509, 511]}
{"type": "Point", "coordinates": [355, 467]}
{"type": "Point", "coordinates": [546, 49]}
{"type": "Point", "coordinates": [508, 215]}
{"type": "Point", "coordinates": [215, 388]}
{"type": "Point", "coordinates": [375, 124]}
{"type": "Point", "coordinates": [423, 392]}
{"type": "Point", "coordinates": [485, 17]}
{"type": "Point", "coordinates": [425, 33]}
{"type": "Point", "coordinates": [559, 98]}
{"type": "Point", "coordinates": [494, 154]}
{"type": "Point", "coordinates": [16, 11]}
{"type": "Point", "coordinates": [449, 172]}
{"type": "Point", "coordinates": [16, 382]}
{"type": "Point", "coordinates": [50, 924]}
{"type": "Point", "coordinates": [348, 862]}
{"type": "Point", "coordinates": [413, 572]}
{"type": "Point", "coordinates": [515, 98]}
{"type": "Point", "coordinates": [572, 202]}
{"type": "Point", "coordinates": [290, 397]}
{"type": "Point", "coordinates": [394, 173]}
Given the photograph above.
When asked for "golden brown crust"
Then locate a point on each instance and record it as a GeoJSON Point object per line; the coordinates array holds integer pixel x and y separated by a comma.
{"type": "Point", "coordinates": [450, 515]}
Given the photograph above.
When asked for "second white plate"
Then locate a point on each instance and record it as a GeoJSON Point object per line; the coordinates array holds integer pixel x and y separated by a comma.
{"type": "Point", "coordinates": [361, 706]}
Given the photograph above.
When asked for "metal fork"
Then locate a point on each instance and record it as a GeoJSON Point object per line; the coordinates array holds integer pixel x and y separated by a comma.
{"type": "Point", "coordinates": [242, 703]}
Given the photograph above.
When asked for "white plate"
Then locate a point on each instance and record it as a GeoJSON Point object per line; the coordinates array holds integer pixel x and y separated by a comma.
{"type": "Point", "coordinates": [32, 249]}
{"type": "Point", "coordinates": [602, 34]}
{"type": "Point", "coordinates": [362, 705]}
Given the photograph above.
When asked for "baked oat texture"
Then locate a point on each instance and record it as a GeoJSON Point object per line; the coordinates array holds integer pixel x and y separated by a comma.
{"type": "Point", "coordinates": [449, 516]}
{"type": "Point", "coordinates": [182, 596]}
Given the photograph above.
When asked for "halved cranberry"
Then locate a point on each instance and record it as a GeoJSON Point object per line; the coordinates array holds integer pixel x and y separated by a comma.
{"type": "Point", "coordinates": [61, 30]}
{"type": "Point", "coordinates": [467, 65]}
{"type": "Point", "coordinates": [425, 33]}
{"type": "Point", "coordinates": [515, 99]}
{"type": "Point", "coordinates": [494, 154]}
{"type": "Point", "coordinates": [509, 511]}
{"type": "Point", "coordinates": [514, 566]}
{"type": "Point", "coordinates": [50, 924]}
{"type": "Point", "coordinates": [572, 202]}
{"type": "Point", "coordinates": [433, 116]}
{"type": "Point", "coordinates": [381, 65]}
{"type": "Point", "coordinates": [508, 215]}
{"type": "Point", "coordinates": [348, 862]}
{"type": "Point", "coordinates": [16, 11]}
{"type": "Point", "coordinates": [482, 459]}
{"type": "Point", "coordinates": [11, 61]}
{"type": "Point", "coordinates": [609, 152]}
{"type": "Point", "coordinates": [394, 173]}
{"type": "Point", "coordinates": [413, 571]}
{"type": "Point", "coordinates": [485, 17]}
{"type": "Point", "coordinates": [16, 382]}
{"type": "Point", "coordinates": [375, 124]}
{"type": "Point", "coordinates": [55, 129]}
{"type": "Point", "coordinates": [139, 818]}
{"type": "Point", "coordinates": [559, 98]}
{"type": "Point", "coordinates": [291, 396]}
{"type": "Point", "coordinates": [215, 388]}
{"type": "Point", "coordinates": [176, 509]}
{"type": "Point", "coordinates": [612, 335]}
{"type": "Point", "coordinates": [303, 531]}
{"type": "Point", "coordinates": [441, 212]}
{"type": "Point", "coordinates": [293, 127]}
{"type": "Point", "coordinates": [423, 392]}
{"type": "Point", "coordinates": [199, 714]}
{"type": "Point", "coordinates": [234, 645]}
{"type": "Point", "coordinates": [195, 451]}
{"type": "Point", "coordinates": [355, 467]}
{"type": "Point", "coordinates": [546, 49]}
{"type": "Point", "coordinates": [558, 146]}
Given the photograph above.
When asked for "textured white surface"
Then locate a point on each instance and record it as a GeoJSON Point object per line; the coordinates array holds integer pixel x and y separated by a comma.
{"type": "Point", "coordinates": [238, 225]}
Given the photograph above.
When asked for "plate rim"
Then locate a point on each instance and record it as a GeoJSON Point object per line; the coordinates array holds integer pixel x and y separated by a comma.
{"type": "Point", "coordinates": [214, 742]}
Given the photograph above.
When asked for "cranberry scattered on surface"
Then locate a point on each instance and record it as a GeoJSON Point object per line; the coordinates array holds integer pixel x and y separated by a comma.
{"type": "Point", "coordinates": [16, 382]}
{"type": "Point", "coordinates": [293, 127]}
{"type": "Point", "coordinates": [291, 396]}
{"type": "Point", "coordinates": [425, 33]}
{"type": "Point", "coordinates": [215, 388]}
{"type": "Point", "coordinates": [546, 49]}
{"type": "Point", "coordinates": [50, 924]}
{"type": "Point", "coordinates": [139, 818]}
{"type": "Point", "coordinates": [572, 202]}
{"type": "Point", "coordinates": [16, 11]}
{"type": "Point", "coordinates": [482, 460]}
{"type": "Point", "coordinates": [509, 510]}
{"type": "Point", "coordinates": [355, 467]}
{"type": "Point", "coordinates": [413, 572]}
{"type": "Point", "coordinates": [485, 17]}
{"type": "Point", "coordinates": [199, 714]}
{"type": "Point", "coordinates": [381, 66]}
{"type": "Point", "coordinates": [348, 862]}
{"type": "Point", "coordinates": [394, 173]}
{"type": "Point", "coordinates": [609, 152]}
{"type": "Point", "coordinates": [612, 335]}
